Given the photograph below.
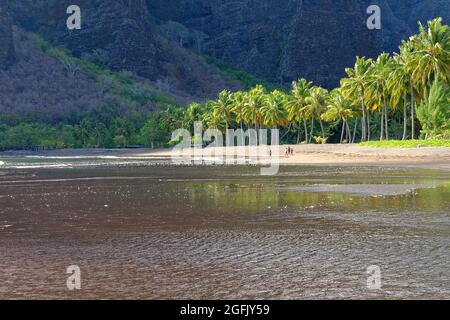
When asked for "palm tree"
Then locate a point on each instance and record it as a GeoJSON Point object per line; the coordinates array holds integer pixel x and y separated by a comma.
{"type": "Point", "coordinates": [84, 130]}
{"type": "Point", "coordinates": [222, 110]}
{"type": "Point", "coordinates": [378, 75]}
{"type": "Point", "coordinates": [339, 109]}
{"type": "Point", "coordinates": [354, 86]}
{"type": "Point", "coordinates": [255, 101]}
{"type": "Point", "coordinates": [316, 104]}
{"type": "Point", "coordinates": [432, 53]}
{"type": "Point", "coordinates": [399, 86]}
{"type": "Point", "coordinates": [434, 112]}
{"type": "Point", "coordinates": [297, 102]}
{"type": "Point", "coordinates": [99, 133]}
{"type": "Point", "coordinates": [407, 52]}
{"type": "Point", "coordinates": [273, 111]}
{"type": "Point", "coordinates": [193, 113]}
{"type": "Point", "coordinates": [171, 119]}
{"type": "Point", "coordinates": [239, 100]}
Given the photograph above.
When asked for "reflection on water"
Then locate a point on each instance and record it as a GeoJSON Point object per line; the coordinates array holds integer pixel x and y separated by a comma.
{"type": "Point", "coordinates": [146, 231]}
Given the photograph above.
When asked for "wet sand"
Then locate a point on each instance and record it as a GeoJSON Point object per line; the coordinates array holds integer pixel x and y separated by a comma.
{"type": "Point", "coordinates": [374, 190]}
{"type": "Point", "coordinates": [165, 232]}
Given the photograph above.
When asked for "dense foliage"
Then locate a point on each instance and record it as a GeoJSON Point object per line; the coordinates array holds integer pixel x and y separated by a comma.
{"type": "Point", "coordinates": [390, 97]}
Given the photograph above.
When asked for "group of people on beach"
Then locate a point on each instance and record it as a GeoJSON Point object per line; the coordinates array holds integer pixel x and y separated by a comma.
{"type": "Point", "coordinates": [289, 152]}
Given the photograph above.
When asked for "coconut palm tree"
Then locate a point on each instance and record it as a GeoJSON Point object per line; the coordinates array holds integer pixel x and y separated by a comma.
{"type": "Point", "coordinates": [273, 110]}
{"type": "Point", "coordinates": [339, 109]}
{"type": "Point", "coordinates": [221, 110]}
{"type": "Point", "coordinates": [84, 130]}
{"type": "Point", "coordinates": [171, 118]}
{"type": "Point", "coordinates": [399, 86]}
{"type": "Point", "coordinates": [434, 111]}
{"type": "Point", "coordinates": [193, 113]}
{"type": "Point", "coordinates": [207, 116]}
{"type": "Point", "coordinates": [253, 105]}
{"type": "Point", "coordinates": [407, 52]}
{"type": "Point", "coordinates": [316, 104]}
{"type": "Point", "coordinates": [354, 87]}
{"type": "Point", "coordinates": [378, 76]}
{"type": "Point", "coordinates": [297, 102]}
{"type": "Point", "coordinates": [239, 100]}
{"type": "Point", "coordinates": [432, 53]}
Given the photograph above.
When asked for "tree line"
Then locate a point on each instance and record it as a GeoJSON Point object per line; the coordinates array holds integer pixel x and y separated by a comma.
{"type": "Point", "coordinates": [404, 95]}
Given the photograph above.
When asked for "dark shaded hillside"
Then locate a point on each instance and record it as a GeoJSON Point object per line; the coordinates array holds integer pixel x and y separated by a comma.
{"type": "Point", "coordinates": [39, 85]}
{"type": "Point", "coordinates": [162, 44]}
{"type": "Point", "coordinates": [7, 50]}
{"type": "Point", "coordinates": [117, 35]}
{"type": "Point", "coordinates": [282, 40]}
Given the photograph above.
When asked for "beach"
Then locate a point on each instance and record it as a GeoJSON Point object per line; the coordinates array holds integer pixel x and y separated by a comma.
{"type": "Point", "coordinates": [328, 154]}
{"type": "Point", "coordinates": [331, 154]}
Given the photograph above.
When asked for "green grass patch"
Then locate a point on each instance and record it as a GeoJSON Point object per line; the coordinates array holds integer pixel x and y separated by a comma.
{"type": "Point", "coordinates": [246, 79]}
{"type": "Point", "coordinates": [407, 143]}
{"type": "Point", "coordinates": [122, 84]}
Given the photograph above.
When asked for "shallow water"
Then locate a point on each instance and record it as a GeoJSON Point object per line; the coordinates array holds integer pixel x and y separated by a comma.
{"type": "Point", "coordinates": [138, 229]}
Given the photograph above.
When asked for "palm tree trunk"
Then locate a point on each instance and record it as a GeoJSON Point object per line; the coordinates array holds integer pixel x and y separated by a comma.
{"type": "Point", "coordinates": [354, 130]}
{"type": "Point", "coordinates": [257, 131]}
{"type": "Point", "coordinates": [386, 119]}
{"type": "Point", "coordinates": [363, 124]}
{"type": "Point", "coordinates": [287, 131]}
{"type": "Point", "coordinates": [312, 130]}
{"type": "Point", "coordinates": [368, 126]}
{"type": "Point", "coordinates": [382, 125]}
{"type": "Point", "coordinates": [405, 116]}
{"type": "Point", "coordinates": [413, 130]}
{"type": "Point", "coordinates": [243, 136]}
{"type": "Point", "coordinates": [321, 128]}
{"type": "Point", "coordinates": [343, 129]}
{"type": "Point", "coordinates": [349, 134]}
{"type": "Point", "coordinates": [306, 129]}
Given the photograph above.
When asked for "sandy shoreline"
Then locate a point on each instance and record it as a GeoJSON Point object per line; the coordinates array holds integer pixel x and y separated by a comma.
{"type": "Point", "coordinates": [331, 154]}
{"type": "Point", "coordinates": [436, 157]}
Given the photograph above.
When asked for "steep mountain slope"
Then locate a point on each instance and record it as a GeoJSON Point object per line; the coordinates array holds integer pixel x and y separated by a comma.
{"type": "Point", "coordinates": [282, 40]}
{"type": "Point", "coordinates": [161, 44]}
{"type": "Point", "coordinates": [7, 50]}
{"type": "Point", "coordinates": [39, 85]}
{"type": "Point", "coordinates": [117, 35]}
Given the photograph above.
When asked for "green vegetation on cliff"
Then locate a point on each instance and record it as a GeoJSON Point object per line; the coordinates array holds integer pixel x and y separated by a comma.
{"type": "Point", "coordinates": [245, 79]}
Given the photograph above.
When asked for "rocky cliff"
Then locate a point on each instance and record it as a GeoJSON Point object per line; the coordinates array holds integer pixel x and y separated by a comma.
{"type": "Point", "coordinates": [7, 50]}
{"type": "Point", "coordinates": [118, 35]}
{"type": "Point", "coordinates": [282, 40]}
{"type": "Point", "coordinates": [164, 41]}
